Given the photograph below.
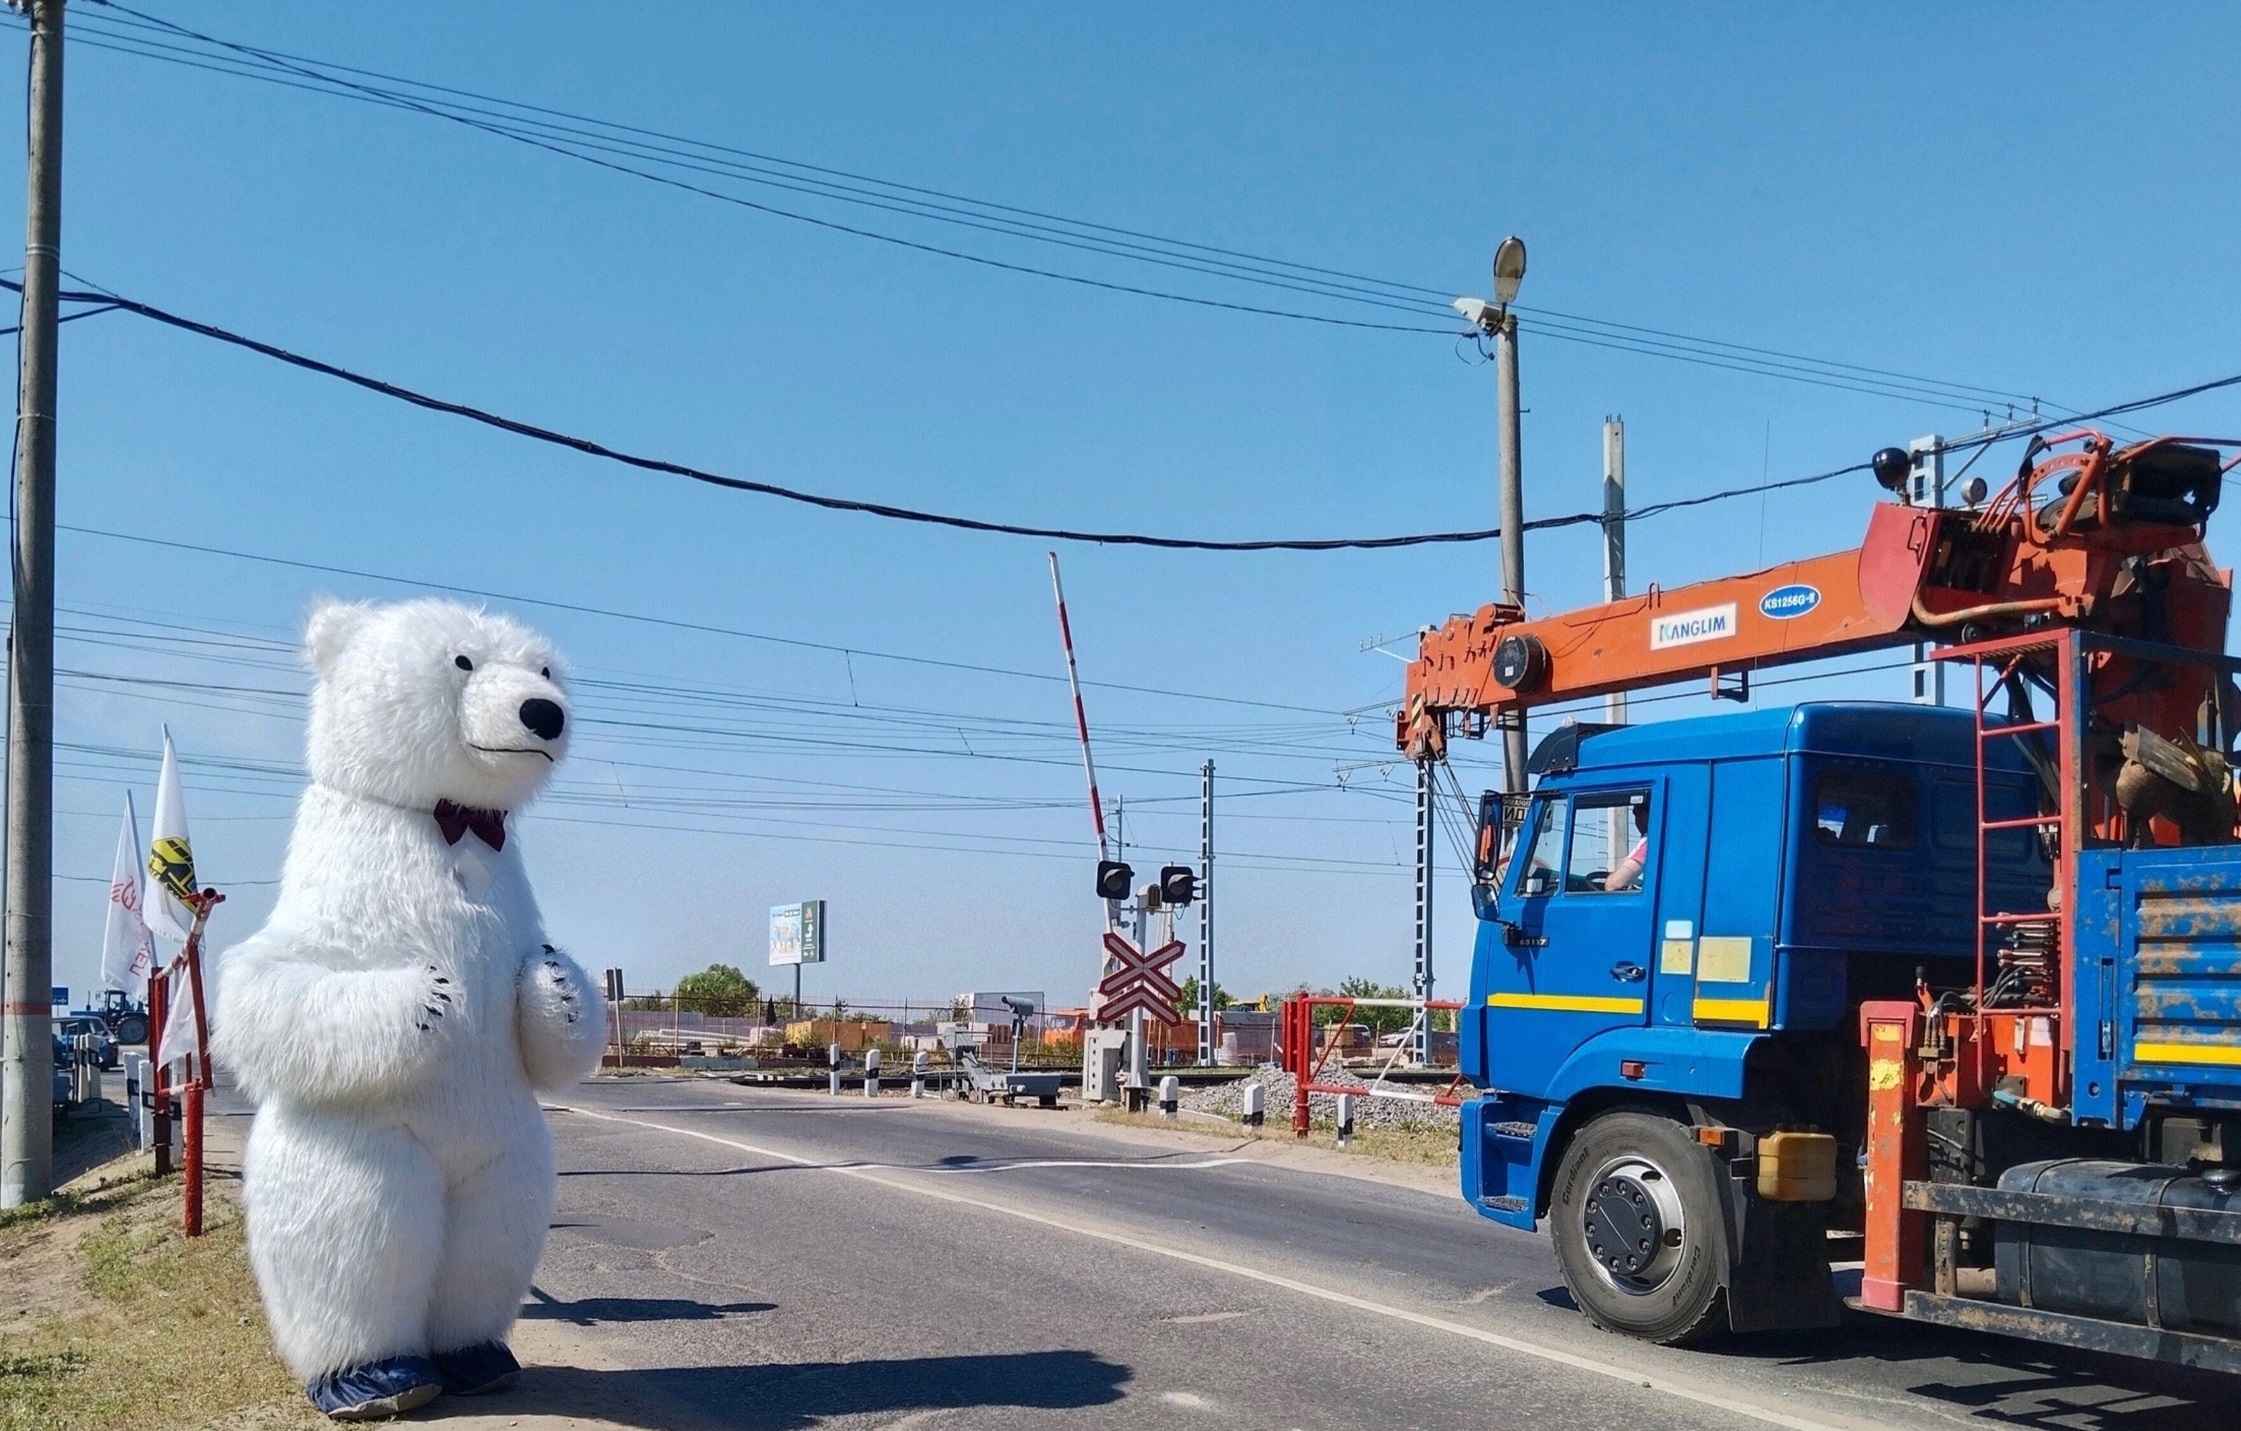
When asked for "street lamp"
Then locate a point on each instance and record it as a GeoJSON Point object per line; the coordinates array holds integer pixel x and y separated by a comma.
{"type": "Point", "coordinates": [1496, 321]}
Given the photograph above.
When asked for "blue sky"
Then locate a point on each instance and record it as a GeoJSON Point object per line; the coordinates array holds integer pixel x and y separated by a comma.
{"type": "Point", "coordinates": [2035, 200]}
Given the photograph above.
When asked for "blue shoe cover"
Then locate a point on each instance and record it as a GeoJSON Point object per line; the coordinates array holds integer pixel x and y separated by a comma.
{"type": "Point", "coordinates": [377, 1390]}
{"type": "Point", "coordinates": [471, 1371]}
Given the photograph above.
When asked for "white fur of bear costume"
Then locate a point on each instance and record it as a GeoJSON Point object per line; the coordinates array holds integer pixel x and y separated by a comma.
{"type": "Point", "coordinates": [396, 1014]}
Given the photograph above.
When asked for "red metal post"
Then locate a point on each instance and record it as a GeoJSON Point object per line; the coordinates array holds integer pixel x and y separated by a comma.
{"type": "Point", "coordinates": [192, 1160]}
{"type": "Point", "coordinates": [159, 1083]}
{"type": "Point", "coordinates": [1299, 1039]}
{"type": "Point", "coordinates": [2073, 696]}
{"type": "Point", "coordinates": [1892, 1032]}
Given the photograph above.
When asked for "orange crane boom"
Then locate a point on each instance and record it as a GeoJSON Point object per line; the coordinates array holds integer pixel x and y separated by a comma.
{"type": "Point", "coordinates": [2099, 536]}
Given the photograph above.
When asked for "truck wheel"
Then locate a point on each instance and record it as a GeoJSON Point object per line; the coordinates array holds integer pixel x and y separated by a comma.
{"type": "Point", "coordinates": [1635, 1218]}
{"type": "Point", "coordinates": [132, 1028]}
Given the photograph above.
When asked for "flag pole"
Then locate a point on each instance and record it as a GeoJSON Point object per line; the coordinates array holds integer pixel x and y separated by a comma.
{"type": "Point", "coordinates": [159, 1089]}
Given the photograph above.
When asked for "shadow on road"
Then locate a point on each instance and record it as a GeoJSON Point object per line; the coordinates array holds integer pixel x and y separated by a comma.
{"type": "Point", "coordinates": [1999, 1381]}
{"type": "Point", "coordinates": [784, 1396]}
{"type": "Point", "coordinates": [592, 1311]}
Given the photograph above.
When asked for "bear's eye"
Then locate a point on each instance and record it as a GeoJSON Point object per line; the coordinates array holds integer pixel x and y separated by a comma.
{"type": "Point", "coordinates": [462, 663]}
{"type": "Point", "coordinates": [545, 671]}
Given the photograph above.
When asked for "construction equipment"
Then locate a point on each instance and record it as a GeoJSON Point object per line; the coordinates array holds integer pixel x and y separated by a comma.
{"type": "Point", "coordinates": [125, 1016]}
{"type": "Point", "coordinates": [1950, 990]}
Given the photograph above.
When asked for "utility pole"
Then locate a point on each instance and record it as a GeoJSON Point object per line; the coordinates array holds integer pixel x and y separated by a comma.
{"type": "Point", "coordinates": [1513, 525]}
{"type": "Point", "coordinates": [1925, 487]}
{"type": "Point", "coordinates": [1206, 915]}
{"type": "Point", "coordinates": [1422, 1036]}
{"type": "Point", "coordinates": [26, 1021]}
{"type": "Point", "coordinates": [1614, 587]}
{"type": "Point", "coordinates": [1497, 322]}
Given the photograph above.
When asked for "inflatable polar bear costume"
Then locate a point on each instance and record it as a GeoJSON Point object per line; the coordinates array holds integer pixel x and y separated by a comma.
{"type": "Point", "coordinates": [395, 1015]}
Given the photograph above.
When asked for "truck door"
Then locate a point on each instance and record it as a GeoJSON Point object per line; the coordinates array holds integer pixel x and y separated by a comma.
{"type": "Point", "coordinates": [1577, 949]}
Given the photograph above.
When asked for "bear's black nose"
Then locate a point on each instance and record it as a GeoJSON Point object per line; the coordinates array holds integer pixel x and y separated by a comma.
{"type": "Point", "coordinates": [543, 717]}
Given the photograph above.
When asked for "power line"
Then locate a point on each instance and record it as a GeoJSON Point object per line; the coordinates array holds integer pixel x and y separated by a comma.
{"type": "Point", "coordinates": [116, 303]}
{"type": "Point", "coordinates": [589, 448]}
{"type": "Point", "coordinates": [671, 623]}
{"type": "Point", "coordinates": [569, 134]}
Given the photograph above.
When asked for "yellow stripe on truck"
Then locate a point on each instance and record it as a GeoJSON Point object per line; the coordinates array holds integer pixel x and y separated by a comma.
{"type": "Point", "coordinates": [2224, 1055]}
{"type": "Point", "coordinates": [1564, 1003]}
{"type": "Point", "coordinates": [1732, 1011]}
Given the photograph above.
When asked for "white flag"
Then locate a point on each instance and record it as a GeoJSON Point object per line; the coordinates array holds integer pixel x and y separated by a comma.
{"type": "Point", "coordinates": [171, 860]}
{"type": "Point", "coordinates": [181, 1040]}
{"type": "Point", "coordinates": [127, 951]}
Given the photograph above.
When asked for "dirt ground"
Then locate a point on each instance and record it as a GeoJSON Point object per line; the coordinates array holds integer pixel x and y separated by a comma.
{"type": "Point", "coordinates": [111, 1318]}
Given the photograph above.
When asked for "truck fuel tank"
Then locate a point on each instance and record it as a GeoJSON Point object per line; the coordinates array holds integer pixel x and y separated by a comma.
{"type": "Point", "coordinates": [2149, 1281]}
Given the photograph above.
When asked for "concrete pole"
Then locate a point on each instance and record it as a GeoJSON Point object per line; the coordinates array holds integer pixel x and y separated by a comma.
{"type": "Point", "coordinates": [26, 1021]}
{"type": "Point", "coordinates": [1513, 522]}
{"type": "Point", "coordinates": [1139, 1056]}
{"type": "Point", "coordinates": [1422, 1035]}
{"type": "Point", "coordinates": [1926, 488]}
{"type": "Point", "coordinates": [1620, 835]}
{"type": "Point", "coordinates": [1206, 1039]}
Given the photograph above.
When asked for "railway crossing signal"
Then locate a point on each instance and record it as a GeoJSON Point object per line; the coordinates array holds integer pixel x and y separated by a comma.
{"type": "Point", "coordinates": [1178, 886]}
{"type": "Point", "coordinates": [1140, 982]}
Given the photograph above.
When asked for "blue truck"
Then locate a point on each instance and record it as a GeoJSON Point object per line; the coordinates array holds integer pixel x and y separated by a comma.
{"type": "Point", "coordinates": [1951, 995]}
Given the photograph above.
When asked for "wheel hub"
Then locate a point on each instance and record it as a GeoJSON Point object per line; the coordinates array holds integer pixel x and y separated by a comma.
{"type": "Point", "coordinates": [1634, 1226]}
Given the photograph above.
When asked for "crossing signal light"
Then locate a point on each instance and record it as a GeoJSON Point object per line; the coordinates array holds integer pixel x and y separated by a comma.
{"type": "Point", "coordinates": [1113, 877]}
{"type": "Point", "coordinates": [1177, 886]}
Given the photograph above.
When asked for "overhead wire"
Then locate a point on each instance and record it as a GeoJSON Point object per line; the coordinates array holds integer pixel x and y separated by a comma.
{"type": "Point", "coordinates": [561, 132]}
{"type": "Point", "coordinates": [117, 303]}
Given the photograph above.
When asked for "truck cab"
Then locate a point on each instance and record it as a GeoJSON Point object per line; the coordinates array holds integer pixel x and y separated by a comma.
{"type": "Point", "coordinates": [1681, 923]}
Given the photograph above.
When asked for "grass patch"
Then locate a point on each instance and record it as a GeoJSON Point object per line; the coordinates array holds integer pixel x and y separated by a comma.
{"type": "Point", "coordinates": [71, 1204]}
{"type": "Point", "coordinates": [1432, 1146]}
{"type": "Point", "coordinates": [157, 1332]}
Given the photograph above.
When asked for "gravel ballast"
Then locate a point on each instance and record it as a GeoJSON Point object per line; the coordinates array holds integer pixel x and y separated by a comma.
{"type": "Point", "coordinates": [1228, 1100]}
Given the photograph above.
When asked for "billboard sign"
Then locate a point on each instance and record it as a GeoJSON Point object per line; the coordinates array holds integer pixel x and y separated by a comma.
{"type": "Point", "coordinates": [797, 933]}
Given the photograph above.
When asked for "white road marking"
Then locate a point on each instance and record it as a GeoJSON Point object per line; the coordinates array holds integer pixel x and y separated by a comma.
{"type": "Point", "coordinates": [1203, 1317]}
{"type": "Point", "coordinates": [1666, 1386]}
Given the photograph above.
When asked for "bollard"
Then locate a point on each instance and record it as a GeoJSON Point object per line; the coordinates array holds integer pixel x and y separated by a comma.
{"type": "Point", "coordinates": [1345, 1119]}
{"type": "Point", "coordinates": [1168, 1089]}
{"type": "Point", "coordinates": [871, 1073]}
{"type": "Point", "coordinates": [132, 1099]}
{"type": "Point", "coordinates": [918, 1074]}
{"type": "Point", "coordinates": [832, 1056]}
{"type": "Point", "coordinates": [1256, 1104]}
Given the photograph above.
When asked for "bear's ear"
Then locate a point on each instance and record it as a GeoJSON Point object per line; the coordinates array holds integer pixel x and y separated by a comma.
{"type": "Point", "coordinates": [328, 631]}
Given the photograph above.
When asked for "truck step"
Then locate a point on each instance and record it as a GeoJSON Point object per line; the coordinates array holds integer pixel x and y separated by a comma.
{"type": "Point", "coordinates": [1524, 1131]}
{"type": "Point", "coordinates": [1505, 1204]}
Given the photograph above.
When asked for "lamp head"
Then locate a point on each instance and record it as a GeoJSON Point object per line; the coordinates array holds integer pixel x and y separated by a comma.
{"type": "Point", "coordinates": [1509, 269]}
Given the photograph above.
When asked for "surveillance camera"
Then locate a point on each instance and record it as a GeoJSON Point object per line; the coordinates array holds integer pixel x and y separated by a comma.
{"type": "Point", "coordinates": [1477, 312]}
{"type": "Point", "coordinates": [1023, 1007]}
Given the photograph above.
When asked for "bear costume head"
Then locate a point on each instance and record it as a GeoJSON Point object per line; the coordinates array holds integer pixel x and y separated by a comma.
{"type": "Point", "coordinates": [427, 701]}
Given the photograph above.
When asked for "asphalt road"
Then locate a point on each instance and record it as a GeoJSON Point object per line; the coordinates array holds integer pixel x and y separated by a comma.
{"type": "Point", "coordinates": [769, 1260]}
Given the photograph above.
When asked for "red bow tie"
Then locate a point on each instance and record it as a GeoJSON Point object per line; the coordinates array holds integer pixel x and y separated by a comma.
{"type": "Point", "coordinates": [456, 820]}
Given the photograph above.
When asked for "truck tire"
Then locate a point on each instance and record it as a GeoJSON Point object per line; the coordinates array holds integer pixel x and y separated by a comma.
{"type": "Point", "coordinates": [132, 1028]}
{"type": "Point", "coordinates": [1636, 1222]}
